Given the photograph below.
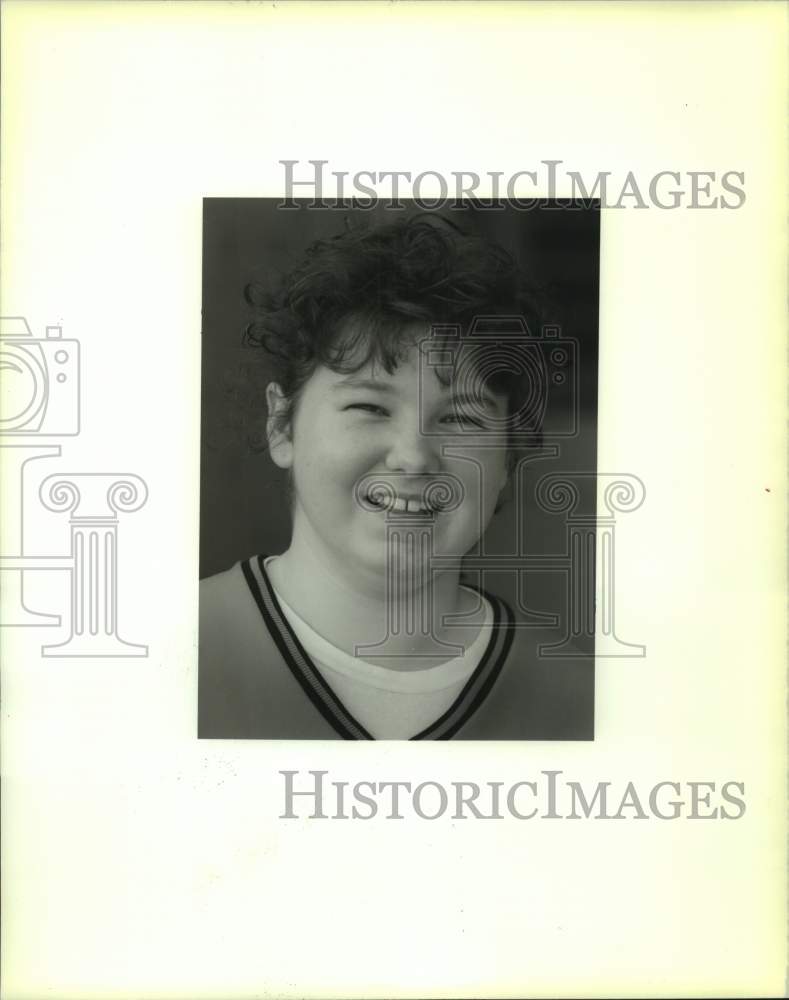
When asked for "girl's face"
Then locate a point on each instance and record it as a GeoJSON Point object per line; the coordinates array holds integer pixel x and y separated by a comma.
{"type": "Point", "coordinates": [406, 430]}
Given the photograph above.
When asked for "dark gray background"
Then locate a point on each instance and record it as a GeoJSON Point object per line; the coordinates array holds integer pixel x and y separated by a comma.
{"type": "Point", "coordinates": [243, 503]}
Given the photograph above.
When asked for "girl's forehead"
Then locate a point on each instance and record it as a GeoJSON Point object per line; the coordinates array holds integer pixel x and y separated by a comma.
{"type": "Point", "coordinates": [404, 355]}
{"type": "Point", "coordinates": [361, 337]}
{"type": "Point", "coordinates": [411, 367]}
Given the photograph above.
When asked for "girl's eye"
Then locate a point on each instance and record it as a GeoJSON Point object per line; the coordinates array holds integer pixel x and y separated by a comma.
{"type": "Point", "coordinates": [463, 420]}
{"type": "Point", "coordinates": [379, 411]}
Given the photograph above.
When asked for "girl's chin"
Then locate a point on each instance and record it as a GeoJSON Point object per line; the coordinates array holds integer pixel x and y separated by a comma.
{"type": "Point", "coordinates": [404, 552]}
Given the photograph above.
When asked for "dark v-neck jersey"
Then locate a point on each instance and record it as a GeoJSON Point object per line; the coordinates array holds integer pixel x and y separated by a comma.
{"type": "Point", "coordinates": [255, 680]}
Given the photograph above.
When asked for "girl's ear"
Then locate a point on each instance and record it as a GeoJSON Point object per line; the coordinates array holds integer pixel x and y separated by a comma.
{"type": "Point", "coordinates": [278, 429]}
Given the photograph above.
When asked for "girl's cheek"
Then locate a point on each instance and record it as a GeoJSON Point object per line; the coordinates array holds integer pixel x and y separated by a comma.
{"type": "Point", "coordinates": [359, 439]}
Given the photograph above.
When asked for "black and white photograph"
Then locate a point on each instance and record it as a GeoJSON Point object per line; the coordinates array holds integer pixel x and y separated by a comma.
{"type": "Point", "coordinates": [394, 497]}
{"type": "Point", "coordinates": [392, 399]}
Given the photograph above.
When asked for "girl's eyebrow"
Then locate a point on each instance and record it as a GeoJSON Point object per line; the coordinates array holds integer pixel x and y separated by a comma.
{"type": "Point", "coordinates": [371, 384]}
{"type": "Point", "coordinates": [486, 397]}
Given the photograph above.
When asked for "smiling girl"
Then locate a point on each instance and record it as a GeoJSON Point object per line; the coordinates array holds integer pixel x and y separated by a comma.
{"type": "Point", "coordinates": [396, 434]}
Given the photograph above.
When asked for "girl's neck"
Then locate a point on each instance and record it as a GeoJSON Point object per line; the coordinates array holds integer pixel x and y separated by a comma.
{"type": "Point", "coordinates": [403, 629]}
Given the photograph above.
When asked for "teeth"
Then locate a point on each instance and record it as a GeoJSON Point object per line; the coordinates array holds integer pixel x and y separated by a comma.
{"type": "Point", "coordinates": [405, 506]}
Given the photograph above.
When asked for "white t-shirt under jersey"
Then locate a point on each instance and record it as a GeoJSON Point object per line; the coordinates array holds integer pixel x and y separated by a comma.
{"type": "Point", "coordinates": [390, 704]}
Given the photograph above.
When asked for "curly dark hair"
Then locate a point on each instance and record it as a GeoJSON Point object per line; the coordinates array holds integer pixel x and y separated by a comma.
{"type": "Point", "coordinates": [356, 297]}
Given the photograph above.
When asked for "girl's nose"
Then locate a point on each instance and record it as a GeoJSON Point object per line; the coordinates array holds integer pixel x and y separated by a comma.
{"type": "Point", "coordinates": [413, 452]}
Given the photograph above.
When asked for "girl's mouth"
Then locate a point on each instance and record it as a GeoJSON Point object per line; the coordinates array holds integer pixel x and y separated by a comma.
{"type": "Point", "coordinates": [403, 504]}
{"type": "Point", "coordinates": [379, 492]}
